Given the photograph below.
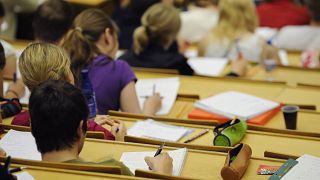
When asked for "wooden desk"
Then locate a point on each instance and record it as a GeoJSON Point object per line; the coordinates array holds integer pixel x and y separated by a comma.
{"type": "Point", "coordinates": [89, 3]}
{"type": "Point", "coordinates": [205, 86]}
{"type": "Point", "coordinates": [291, 75]}
{"type": "Point", "coordinates": [50, 173]}
{"type": "Point", "coordinates": [259, 141]}
{"type": "Point", "coordinates": [199, 164]}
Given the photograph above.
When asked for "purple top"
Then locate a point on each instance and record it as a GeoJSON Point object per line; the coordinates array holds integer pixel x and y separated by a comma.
{"type": "Point", "coordinates": [108, 78]}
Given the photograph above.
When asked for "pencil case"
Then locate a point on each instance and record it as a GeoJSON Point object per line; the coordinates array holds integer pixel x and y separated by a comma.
{"type": "Point", "coordinates": [229, 133]}
{"type": "Point", "coordinates": [237, 162]}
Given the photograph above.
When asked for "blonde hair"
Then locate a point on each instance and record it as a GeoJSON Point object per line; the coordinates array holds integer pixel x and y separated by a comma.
{"type": "Point", "coordinates": [160, 23]}
{"type": "Point", "coordinates": [40, 62]}
{"type": "Point", "coordinates": [235, 18]}
{"type": "Point", "coordinates": [80, 41]}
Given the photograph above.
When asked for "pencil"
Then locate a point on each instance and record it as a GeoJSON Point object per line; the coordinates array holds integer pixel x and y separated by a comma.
{"type": "Point", "coordinates": [203, 132]}
{"type": "Point", "coordinates": [154, 89]}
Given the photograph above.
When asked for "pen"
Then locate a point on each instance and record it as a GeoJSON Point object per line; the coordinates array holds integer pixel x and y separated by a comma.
{"type": "Point", "coordinates": [159, 150]}
{"type": "Point", "coordinates": [146, 97]}
{"type": "Point", "coordinates": [203, 132]}
{"type": "Point", "coordinates": [117, 130]}
{"type": "Point", "coordinates": [154, 89]}
{"type": "Point", "coordinates": [15, 170]}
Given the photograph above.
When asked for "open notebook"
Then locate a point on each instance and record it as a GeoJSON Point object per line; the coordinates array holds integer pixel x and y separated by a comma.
{"type": "Point", "coordinates": [20, 144]}
{"type": "Point", "coordinates": [307, 168]}
{"type": "Point", "coordinates": [208, 66]}
{"type": "Point", "coordinates": [167, 87]}
{"type": "Point", "coordinates": [232, 103]}
{"type": "Point", "coordinates": [24, 99]}
{"type": "Point", "coordinates": [135, 160]}
{"type": "Point", "coordinates": [157, 130]}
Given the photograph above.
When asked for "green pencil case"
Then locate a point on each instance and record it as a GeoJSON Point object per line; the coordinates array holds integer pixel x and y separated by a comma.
{"type": "Point", "coordinates": [228, 134]}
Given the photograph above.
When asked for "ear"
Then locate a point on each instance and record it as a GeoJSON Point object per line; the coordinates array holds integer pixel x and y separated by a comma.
{"type": "Point", "coordinates": [108, 36]}
{"type": "Point", "coordinates": [80, 129]}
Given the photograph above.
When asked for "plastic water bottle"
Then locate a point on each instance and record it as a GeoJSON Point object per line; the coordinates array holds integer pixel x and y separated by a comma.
{"type": "Point", "coordinates": [89, 94]}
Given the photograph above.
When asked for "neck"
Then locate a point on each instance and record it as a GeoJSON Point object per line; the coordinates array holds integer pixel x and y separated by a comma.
{"type": "Point", "coordinates": [315, 23]}
{"type": "Point", "coordinates": [61, 156]}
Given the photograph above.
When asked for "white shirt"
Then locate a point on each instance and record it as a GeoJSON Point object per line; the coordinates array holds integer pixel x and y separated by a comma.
{"type": "Point", "coordinates": [298, 38]}
{"type": "Point", "coordinates": [250, 47]}
{"type": "Point", "coordinates": [197, 23]}
{"type": "Point", "coordinates": [8, 49]}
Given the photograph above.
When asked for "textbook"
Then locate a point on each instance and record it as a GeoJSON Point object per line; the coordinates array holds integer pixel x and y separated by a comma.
{"type": "Point", "coordinates": [20, 144]}
{"type": "Point", "coordinates": [232, 104]}
{"type": "Point", "coordinates": [25, 99]}
{"type": "Point", "coordinates": [208, 66]}
{"type": "Point", "coordinates": [166, 87]}
{"type": "Point", "coordinates": [135, 160]}
{"type": "Point", "coordinates": [157, 130]}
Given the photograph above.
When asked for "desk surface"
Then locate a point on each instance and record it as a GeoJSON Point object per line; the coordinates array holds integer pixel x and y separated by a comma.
{"type": "Point", "coordinates": [259, 141]}
{"type": "Point", "coordinates": [274, 91]}
{"type": "Point", "coordinates": [50, 173]}
{"type": "Point", "coordinates": [198, 164]}
{"type": "Point", "coordinates": [92, 3]}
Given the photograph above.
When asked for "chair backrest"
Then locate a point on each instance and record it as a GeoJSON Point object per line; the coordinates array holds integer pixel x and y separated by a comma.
{"type": "Point", "coordinates": [69, 166]}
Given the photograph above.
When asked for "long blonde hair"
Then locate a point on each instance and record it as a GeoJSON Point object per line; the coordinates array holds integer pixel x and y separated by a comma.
{"type": "Point", "coordinates": [160, 23]}
{"type": "Point", "coordinates": [80, 41]}
{"type": "Point", "coordinates": [40, 62]}
{"type": "Point", "coordinates": [235, 17]}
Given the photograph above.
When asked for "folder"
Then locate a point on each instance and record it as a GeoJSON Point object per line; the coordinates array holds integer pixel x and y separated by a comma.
{"type": "Point", "coordinates": [258, 120]}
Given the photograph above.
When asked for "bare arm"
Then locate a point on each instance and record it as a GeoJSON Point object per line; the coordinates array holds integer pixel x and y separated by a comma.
{"type": "Point", "coordinates": [10, 67]}
{"type": "Point", "coordinates": [129, 101]}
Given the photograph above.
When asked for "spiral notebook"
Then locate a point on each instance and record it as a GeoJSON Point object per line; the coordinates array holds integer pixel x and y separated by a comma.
{"type": "Point", "coordinates": [135, 160]}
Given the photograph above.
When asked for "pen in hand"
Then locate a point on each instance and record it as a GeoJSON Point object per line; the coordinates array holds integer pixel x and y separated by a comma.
{"type": "Point", "coordinates": [159, 150]}
{"type": "Point", "coordinates": [14, 77]}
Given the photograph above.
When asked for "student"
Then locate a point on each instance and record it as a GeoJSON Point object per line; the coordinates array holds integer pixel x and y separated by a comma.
{"type": "Point", "coordinates": [10, 67]}
{"type": "Point", "coordinates": [154, 42]}
{"type": "Point", "coordinates": [92, 44]}
{"type": "Point", "coordinates": [281, 13]}
{"type": "Point", "coordinates": [52, 21]}
{"type": "Point", "coordinates": [40, 62]}
{"type": "Point", "coordinates": [302, 37]}
{"type": "Point", "coordinates": [234, 33]}
{"type": "Point", "coordinates": [59, 114]}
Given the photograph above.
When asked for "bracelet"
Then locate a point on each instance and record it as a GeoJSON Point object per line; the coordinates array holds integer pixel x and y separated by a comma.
{"type": "Point", "coordinates": [13, 92]}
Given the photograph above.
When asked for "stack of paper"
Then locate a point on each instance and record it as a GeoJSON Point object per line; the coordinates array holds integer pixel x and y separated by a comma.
{"type": "Point", "coordinates": [167, 87]}
{"type": "Point", "coordinates": [156, 130]}
{"type": "Point", "coordinates": [20, 144]}
{"type": "Point", "coordinates": [24, 99]}
{"type": "Point", "coordinates": [23, 176]}
{"type": "Point", "coordinates": [307, 168]}
{"type": "Point", "coordinates": [135, 160]}
{"type": "Point", "coordinates": [231, 104]}
{"type": "Point", "coordinates": [208, 66]}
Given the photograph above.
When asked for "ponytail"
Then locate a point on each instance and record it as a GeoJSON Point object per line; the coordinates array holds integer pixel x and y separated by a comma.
{"type": "Point", "coordinates": [81, 50]}
{"type": "Point", "coordinates": [140, 39]}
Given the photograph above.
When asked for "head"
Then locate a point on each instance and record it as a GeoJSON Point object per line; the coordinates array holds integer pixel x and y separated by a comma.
{"type": "Point", "coordinates": [58, 113]}
{"type": "Point", "coordinates": [40, 62]}
{"type": "Point", "coordinates": [314, 10]}
{"type": "Point", "coordinates": [235, 17]}
{"type": "Point", "coordinates": [93, 33]}
{"type": "Point", "coordinates": [52, 20]}
{"type": "Point", "coordinates": [160, 24]}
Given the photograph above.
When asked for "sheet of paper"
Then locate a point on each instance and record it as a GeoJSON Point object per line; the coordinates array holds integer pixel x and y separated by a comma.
{"type": "Point", "coordinates": [24, 99]}
{"type": "Point", "coordinates": [208, 66]}
{"type": "Point", "coordinates": [156, 130]}
{"type": "Point", "coordinates": [266, 32]}
{"type": "Point", "coordinates": [135, 160]}
{"type": "Point", "coordinates": [20, 144]}
{"type": "Point", "coordinates": [24, 176]}
{"type": "Point", "coordinates": [167, 87]}
{"type": "Point", "coordinates": [283, 55]}
{"type": "Point", "coordinates": [307, 168]}
{"type": "Point", "coordinates": [233, 103]}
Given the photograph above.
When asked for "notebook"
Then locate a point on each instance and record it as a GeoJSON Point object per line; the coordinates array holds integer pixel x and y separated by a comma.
{"type": "Point", "coordinates": [261, 119]}
{"type": "Point", "coordinates": [157, 130]}
{"type": "Point", "coordinates": [308, 167]}
{"type": "Point", "coordinates": [208, 66]}
{"type": "Point", "coordinates": [20, 144]}
{"type": "Point", "coordinates": [24, 99]}
{"type": "Point", "coordinates": [232, 103]}
{"type": "Point", "coordinates": [167, 87]}
{"type": "Point", "coordinates": [135, 160]}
